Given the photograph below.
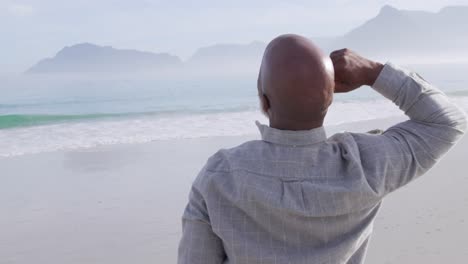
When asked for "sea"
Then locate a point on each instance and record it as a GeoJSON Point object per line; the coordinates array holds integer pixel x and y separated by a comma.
{"type": "Point", "coordinates": [43, 113]}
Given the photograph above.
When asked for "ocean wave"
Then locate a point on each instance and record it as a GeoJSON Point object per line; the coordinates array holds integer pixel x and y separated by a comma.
{"type": "Point", "coordinates": [85, 131]}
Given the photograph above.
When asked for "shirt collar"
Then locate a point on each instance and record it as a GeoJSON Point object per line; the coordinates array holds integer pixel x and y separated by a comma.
{"type": "Point", "coordinates": [292, 138]}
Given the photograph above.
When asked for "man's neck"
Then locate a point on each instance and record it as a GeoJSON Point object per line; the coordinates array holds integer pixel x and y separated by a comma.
{"type": "Point", "coordinates": [295, 126]}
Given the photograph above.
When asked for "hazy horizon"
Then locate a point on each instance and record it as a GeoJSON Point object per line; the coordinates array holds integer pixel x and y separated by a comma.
{"type": "Point", "coordinates": [34, 30]}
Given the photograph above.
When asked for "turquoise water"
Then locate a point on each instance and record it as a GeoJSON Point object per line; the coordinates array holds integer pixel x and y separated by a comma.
{"type": "Point", "coordinates": [31, 102]}
{"type": "Point", "coordinates": [11, 121]}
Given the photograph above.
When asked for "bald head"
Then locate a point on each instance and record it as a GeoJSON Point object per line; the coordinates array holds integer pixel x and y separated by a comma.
{"type": "Point", "coordinates": [295, 83]}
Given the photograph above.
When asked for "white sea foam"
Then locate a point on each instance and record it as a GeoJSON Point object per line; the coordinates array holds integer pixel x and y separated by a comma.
{"type": "Point", "coordinates": [88, 134]}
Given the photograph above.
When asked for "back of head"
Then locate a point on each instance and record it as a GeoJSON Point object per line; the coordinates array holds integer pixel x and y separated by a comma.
{"type": "Point", "coordinates": [295, 83]}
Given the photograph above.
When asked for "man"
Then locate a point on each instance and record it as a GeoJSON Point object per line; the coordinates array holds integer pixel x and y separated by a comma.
{"type": "Point", "coordinates": [297, 196]}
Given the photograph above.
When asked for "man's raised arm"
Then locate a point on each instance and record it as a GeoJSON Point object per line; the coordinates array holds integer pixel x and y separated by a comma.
{"type": "Point", "coordinates": [410, 148]}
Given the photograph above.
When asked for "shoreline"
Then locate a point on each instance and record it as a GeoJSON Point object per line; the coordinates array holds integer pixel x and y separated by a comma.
{"type": "Point", "coordinates": [355, 126]}
{"type": "Point", "coordinates": [69, 136]}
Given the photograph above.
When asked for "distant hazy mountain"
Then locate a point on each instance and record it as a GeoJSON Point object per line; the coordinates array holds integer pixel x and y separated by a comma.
{"type": "Point", "coordinates": [405, 32]}
{"type": "Point", "coordinates": [90, 58]}
{"type": "Point", "coordinates": [392, 32]}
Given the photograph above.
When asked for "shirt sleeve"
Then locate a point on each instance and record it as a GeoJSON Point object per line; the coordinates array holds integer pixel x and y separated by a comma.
{"type": "Point", "coordinates": [408, 149]}
{"type": "Point", "coordinates": [199, 244]}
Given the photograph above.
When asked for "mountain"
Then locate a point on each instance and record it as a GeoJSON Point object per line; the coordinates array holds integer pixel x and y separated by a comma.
{"type": "Point", "coordinates": [90, 58]}
{"type": "Point", "coordinates": [404, 32]}
{"type": "Point", "coordinates": [392, 33]}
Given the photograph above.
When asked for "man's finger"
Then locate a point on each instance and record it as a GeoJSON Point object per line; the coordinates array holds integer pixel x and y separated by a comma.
{"type": "Point", "coordinates": [335, 54]}
{"type": "Point", "coordinates": [338, 52]}
{"type": "Point", "coordinates": [337, 59]}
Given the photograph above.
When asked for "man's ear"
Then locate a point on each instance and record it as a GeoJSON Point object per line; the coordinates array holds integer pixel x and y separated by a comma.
{"type": "Point", "coordinates": [265, 104]}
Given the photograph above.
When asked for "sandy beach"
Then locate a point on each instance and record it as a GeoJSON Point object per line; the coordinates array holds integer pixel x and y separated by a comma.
{"type": "Point", "coordinates": [122, 204]}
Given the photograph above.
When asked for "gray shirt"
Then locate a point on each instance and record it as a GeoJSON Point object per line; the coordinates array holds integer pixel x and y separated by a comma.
{"type": "Point", "coordinates": [300, 197]}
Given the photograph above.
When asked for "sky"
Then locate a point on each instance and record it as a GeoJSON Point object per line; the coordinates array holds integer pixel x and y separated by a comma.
{"type": "Point", "coordinates": [31, 30]}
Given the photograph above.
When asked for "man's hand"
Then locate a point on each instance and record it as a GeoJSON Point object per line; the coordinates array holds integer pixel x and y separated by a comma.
{"type": "Point", "coordinates": [353, 71]}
